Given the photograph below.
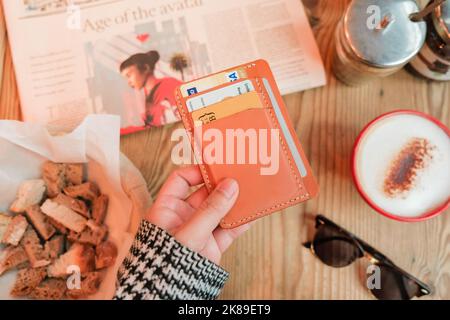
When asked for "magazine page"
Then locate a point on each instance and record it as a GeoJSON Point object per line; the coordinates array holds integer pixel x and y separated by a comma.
{"type": "Point", "coordinates": [126, 57]}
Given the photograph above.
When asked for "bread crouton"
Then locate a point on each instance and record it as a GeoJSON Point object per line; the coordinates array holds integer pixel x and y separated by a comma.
{"type": "Point", "coordinates": [74, 204]}
{"type": "Point", "coordinates": [54, 247]}
{"type": "Point", "coordinates": [105, 255]}
{"type": "Point", "coordinates": [88, 191]}
{"type": "Point", "coordinates": [79, 255]}
{"type": "Point", "coordinates": [74, 173]}
{"type": "Point", "coordinates": [12, 257]}
{"type": "Point", "coordinates": [30, 192]}
{"type": "Point", "coordinates": [93, 234]}
{"type": "Point", "coordinates": [40, 222]}
{"type": "Point", "coordinates": [35, 251]}
{"type": "Point", "coordinates": [63, 215]}
{"type": "Point", "coordinates": [4, 222]}
{"type": "Point", "coordinates": [55, 178]}
{"type": "Point", "coordinates": [15, 231]}
{"type": "Point", "coordinates": [50, 289]}
{"type": "Point", "coordinates": [89, 286]}
{"type": "Point", "coordinates": [27, 280]}
{"type": "Point", "coordinates": [100, 208]}
{"type": "Point", "coordinates": [58, 226]}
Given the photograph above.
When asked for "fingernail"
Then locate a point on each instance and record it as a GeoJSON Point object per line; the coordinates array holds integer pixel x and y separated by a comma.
{"type": "Point", "coordinates": [229, 187]}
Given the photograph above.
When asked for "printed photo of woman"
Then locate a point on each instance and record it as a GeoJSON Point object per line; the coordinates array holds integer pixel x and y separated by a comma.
{"type": "Point", "coordinates": [160, 106]}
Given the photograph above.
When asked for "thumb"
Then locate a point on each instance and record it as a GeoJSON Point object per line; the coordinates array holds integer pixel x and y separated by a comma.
{"type": "Point", "coordinates": [199, 228]}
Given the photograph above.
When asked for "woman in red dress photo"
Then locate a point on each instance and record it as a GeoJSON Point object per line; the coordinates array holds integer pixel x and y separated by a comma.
{"type": "Point", "coordinates": [160, 105]}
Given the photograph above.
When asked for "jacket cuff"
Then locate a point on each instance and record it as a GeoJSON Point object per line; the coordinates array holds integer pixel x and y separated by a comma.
{"type": "Point", "coordinates": [159, 267]}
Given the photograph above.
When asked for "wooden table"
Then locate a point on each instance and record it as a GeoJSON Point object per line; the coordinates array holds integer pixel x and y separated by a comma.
{"type": "Point", "coordinates": [269, 262]}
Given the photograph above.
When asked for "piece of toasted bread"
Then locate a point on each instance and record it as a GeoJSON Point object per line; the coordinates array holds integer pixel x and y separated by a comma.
{"type": "Point", "coordinates": [50, 289]}
{"type": "Point", "coordinates": [89, 286]}
{"type": "Point", "coordinates": [15, 231]}
{"type": "Point", "coordinates": [74, 173]}
{"type": "Point", "coordinates": [4, 222]}
{"type": "Point", "coordinates": [34, 249]}
{"type": "Point", "coordinates": [40, 222]}
{"type": "Point", "coordinates": [30, 192]}
{"type": "Point", "coordinates": [79, 255]}
{"type": "Point", "coordinates": [63, 215]}
{"type": "Point", "coordinates": [74, 204]}
{"type": "Point", "coordinates": [54, 175]}
{"type": "Point", "coordinates": [12, 257]}
{"type": "Point", "coordinates": [100, 208]}
{"type": "Point", "coordinates": [93, 234]}
{"type": "Point", "coordinates": [27, 280]}
{"type": "Point", "coordinates": [58, 226]}
{"type": "Point", "coordinates": [54, 247]}
{"type": "Point", "coordinates": [88, 191]}
{"type": "Point", "coordinates": [105, 255]}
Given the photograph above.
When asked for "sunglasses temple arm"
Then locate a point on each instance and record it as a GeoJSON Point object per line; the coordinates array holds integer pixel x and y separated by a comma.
{"type": "Point", "coordinates": [374, 252]}
{"type": "Point", "coordinates": [385, 260]}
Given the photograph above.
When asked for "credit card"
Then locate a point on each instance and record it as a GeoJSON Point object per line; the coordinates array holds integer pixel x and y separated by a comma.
{"type": "Point", "coordinates": [212, 97]}
{"type": "Point", "coordinates": [227, 108]}
{"type": "Point", "coordinates": [285, 129]}
{"type": "Point", "coordinates": [213, 81]}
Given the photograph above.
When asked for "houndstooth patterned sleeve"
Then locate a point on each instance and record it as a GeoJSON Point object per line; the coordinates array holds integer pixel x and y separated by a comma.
{"type": "Point", "coordinates": [159, 268]}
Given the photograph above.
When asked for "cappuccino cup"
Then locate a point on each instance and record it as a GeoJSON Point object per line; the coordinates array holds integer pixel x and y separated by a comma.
{"type": "Point", "coordinates": [401, 165]}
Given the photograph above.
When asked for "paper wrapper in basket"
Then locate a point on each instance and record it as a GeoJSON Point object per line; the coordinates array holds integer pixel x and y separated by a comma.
{"type": "Point", "coordinates": [24, 147]}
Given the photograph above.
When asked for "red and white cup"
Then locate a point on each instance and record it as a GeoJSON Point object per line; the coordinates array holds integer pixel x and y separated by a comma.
{"type": "Point", "coordinates": [401, 165]}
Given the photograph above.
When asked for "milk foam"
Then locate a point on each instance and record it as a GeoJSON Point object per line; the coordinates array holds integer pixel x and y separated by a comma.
{"type": "Point", "coordinates": [380, 146]}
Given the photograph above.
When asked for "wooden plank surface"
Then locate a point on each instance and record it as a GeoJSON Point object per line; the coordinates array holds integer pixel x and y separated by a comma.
{"type": "Point", "coordinates": [269, 262]}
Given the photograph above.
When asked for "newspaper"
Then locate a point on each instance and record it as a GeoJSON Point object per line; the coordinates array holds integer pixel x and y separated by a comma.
{"type": "Point", "coordinates": [125, 57]}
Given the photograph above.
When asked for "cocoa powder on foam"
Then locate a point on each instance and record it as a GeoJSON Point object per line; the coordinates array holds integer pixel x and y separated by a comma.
{"type": "Point", "coordinates": [404, 169]}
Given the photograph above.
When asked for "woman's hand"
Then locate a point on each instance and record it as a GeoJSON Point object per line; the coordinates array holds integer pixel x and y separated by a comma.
{"type": "Point", "coordinates": [193, 219]}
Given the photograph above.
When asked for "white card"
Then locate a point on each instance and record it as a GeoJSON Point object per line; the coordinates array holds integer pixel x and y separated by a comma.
{"type": "Point", "coordinates": [219, 95]}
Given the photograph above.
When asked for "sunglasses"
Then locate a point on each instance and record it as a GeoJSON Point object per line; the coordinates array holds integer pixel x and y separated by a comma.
{"type": "Point", "coordinates": [336, 247]}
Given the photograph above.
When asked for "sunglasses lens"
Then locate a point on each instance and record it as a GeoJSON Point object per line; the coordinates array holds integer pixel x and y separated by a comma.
{"type": "Point", "coordinates": [393, 285]}
{"type": "Point", "coordinates": [335, 248]}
